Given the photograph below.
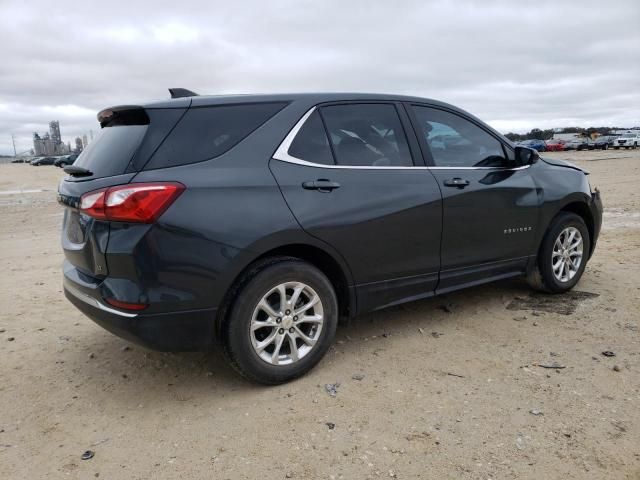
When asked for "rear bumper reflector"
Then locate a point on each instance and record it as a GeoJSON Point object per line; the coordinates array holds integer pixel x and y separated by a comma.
{"type": "Point", "coordinates": [125, 305]}
{"type": "Point", "coordinates": [92, 301]}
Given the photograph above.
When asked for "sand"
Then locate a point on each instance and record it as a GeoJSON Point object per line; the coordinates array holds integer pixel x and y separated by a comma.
{"type": "Point", "coordinates": [448, 384]}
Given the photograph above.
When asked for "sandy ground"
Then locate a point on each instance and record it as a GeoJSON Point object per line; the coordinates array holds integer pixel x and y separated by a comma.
{"type": "Point", "coordinates": [447, 391]}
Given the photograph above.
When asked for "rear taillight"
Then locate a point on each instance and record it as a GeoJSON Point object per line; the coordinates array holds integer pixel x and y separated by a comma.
{"type": "Point", "coordinates": [136, 202]}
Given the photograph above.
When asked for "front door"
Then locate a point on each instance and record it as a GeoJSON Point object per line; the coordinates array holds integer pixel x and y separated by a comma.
{"type": "Point", "coordinates": [490, 205]}
{"type": "Point", "coordinates": [360, 193]}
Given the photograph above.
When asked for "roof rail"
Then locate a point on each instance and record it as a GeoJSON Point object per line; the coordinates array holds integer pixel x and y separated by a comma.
{"type": "Point", "coordinates": [181, 92]}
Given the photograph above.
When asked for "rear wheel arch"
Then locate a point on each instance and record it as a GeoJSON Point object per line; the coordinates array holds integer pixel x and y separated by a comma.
{"type": "Point", "coordinates": [337, 274]}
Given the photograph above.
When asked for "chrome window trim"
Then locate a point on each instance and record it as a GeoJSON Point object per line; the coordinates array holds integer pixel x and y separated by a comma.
{"type": "Point", "coordinates": [92, 301]}
{"type": "Point", "coordinates": [282, 154]}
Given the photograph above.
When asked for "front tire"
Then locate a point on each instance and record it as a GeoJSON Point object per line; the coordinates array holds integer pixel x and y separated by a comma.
{"type": "Point", "coordinates": [282, 322]}
{"type": "Point", "coordinates": [563, 255]}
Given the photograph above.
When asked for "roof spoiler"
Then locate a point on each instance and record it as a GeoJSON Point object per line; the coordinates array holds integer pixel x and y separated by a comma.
{"type": "Point", "coordinates": [123, 115]}
{"type": "Point", "coordinates": [181, 92]}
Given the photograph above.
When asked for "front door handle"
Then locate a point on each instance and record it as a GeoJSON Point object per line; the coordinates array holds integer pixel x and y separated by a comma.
{"type": "Point", "coordinates": [456, 182]}
{"type": "Point", "coordinates": [322, 185]}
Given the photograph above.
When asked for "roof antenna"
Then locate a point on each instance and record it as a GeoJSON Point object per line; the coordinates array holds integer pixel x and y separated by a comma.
{"type": "Point", "coordinates": [181, 92]}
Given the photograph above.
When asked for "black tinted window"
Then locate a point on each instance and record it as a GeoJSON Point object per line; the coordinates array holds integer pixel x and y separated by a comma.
{"type": "Point", "coordinates": [207, 132]}
{"type": "Point", "coordinates": [111, 151]}
{"type": "Point", "coordinates": [311, 143]}
{"type": "Point", "coordinates": [456, 142]}
{"type": "Point", "coordinates": [367, 134]}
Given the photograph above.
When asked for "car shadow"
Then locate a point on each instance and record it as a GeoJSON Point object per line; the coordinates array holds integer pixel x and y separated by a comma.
{"type": "Point", "coordinates": [141, 375]}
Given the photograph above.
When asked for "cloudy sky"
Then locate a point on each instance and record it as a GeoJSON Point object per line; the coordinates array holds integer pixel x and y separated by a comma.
{"type": "Point", "coordinates": [546, 64]}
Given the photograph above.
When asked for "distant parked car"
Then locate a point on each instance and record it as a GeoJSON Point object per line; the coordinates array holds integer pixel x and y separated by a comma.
{"type": "Point", "coordinates": [539, 145]}
{"type": "Point", "coordinates": [18, 160]}
{"type": "Point", "coordinates": [627, 140]}
{"type": "Point", "coordinates": [603, 142]}
{"type": "Point", "coordinates": [612, 139]}
{"type": "Point", "coordinates": [65, 160]}
{"type": "Point", "coordinates": [556, 145]}
{"type": "Point", "coordinates": [581, 143]}
{"type": "Point", "coordinates": [36, 162]}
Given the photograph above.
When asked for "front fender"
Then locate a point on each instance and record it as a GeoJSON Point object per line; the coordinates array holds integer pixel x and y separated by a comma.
{"type": "Point", "coordinates": [563, 189]}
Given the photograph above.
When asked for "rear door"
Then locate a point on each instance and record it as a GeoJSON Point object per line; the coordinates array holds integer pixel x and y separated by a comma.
{"type": "Point", "coordinates": [348, 175]}
{"type": "Point", "coordinates": [490, 205]}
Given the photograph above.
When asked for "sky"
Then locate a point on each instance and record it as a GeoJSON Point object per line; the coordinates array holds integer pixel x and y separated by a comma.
{"type": "Point", "coordinates": [515, 64]}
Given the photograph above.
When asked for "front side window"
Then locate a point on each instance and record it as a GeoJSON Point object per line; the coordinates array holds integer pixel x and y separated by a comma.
{"type": "Point", "coordinates": [456, 142]}
{"type": "Point", "coordinates": [367, 135]}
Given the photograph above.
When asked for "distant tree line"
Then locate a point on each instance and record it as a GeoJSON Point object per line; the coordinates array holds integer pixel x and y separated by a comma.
{"type": "Point", "coordinates": [538, 134]}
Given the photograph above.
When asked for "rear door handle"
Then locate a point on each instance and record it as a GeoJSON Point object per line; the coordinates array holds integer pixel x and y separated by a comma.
{"type": "Point", "coordinates": [322, 185]}
{"type": "Point", "coordinates": [456, 182]}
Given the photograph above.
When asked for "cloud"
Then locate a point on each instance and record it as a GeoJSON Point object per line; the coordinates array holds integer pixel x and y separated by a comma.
{"type": "Point", "coordinates": [517, 67]}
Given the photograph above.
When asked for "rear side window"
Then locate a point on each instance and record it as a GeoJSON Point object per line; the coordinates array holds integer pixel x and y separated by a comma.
{"type": "Point", "coordinates": [367, 135]}
{"type": "Point", "coordinates": [208, 132]}
{"type": "Point", "coordinates": [111, 150]}
{"type": "Point", "coordinates": [311, 143]}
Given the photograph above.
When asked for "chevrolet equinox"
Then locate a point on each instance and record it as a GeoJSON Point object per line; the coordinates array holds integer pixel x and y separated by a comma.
{"type": "Point", "coordinates": [255, 222]}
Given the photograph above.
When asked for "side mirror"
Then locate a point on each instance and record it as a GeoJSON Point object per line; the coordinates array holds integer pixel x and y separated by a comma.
{"type": "Point", "coordinates": [526, 156]}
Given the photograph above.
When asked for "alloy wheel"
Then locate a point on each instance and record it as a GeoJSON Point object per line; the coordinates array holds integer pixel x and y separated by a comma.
{"type": "Point", "coordinates": [567, 254]}
{"type": "Point", "coordinates": [286, 324]}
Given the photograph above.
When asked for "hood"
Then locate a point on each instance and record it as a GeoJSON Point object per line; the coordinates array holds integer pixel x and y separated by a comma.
{"type": "Point", "coordinates": [564, 163]}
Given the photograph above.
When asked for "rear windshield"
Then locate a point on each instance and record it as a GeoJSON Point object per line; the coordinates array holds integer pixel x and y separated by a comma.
{"type": "Point", "coordinates": [111, 150]}
{"type": "Point", "coordinates": [207, 132]}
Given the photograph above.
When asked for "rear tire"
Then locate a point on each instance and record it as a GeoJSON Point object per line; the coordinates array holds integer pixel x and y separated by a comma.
{"type": "Point", "coordinates": [271, 334]}
{"type": "Point", "coordinates": [565, 244]}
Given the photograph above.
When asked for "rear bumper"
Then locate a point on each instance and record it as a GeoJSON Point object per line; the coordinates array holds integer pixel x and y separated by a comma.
{"type": "Point", "coordinates": [174, 331]}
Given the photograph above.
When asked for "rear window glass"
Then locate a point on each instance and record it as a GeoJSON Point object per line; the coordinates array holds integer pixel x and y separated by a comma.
{"type": "Point", "coordinates": [111, 150]}
{"type": "Point", "coordinates": [207, 132]}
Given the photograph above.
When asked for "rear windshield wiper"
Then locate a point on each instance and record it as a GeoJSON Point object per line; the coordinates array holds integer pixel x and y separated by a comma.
{"type": "Point", "coordinates": [76, 171]}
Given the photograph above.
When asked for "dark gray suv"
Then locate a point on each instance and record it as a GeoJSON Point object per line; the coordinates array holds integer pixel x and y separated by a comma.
{"type": "Point", "coordinates": [257, 221]}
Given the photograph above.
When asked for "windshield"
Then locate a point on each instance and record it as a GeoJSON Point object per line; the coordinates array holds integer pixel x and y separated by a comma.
{"type": "Point", "coordinates": [628, 135]}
